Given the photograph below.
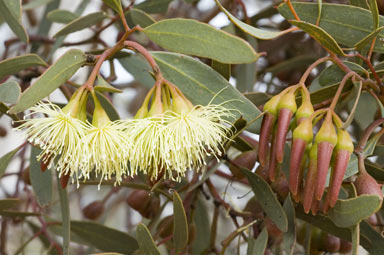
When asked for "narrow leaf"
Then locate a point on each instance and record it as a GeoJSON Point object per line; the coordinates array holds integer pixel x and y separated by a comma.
{"type": "Point", "coordinates": [319, 35]}
{"type": "Point", "coordinates": [104, 86]}
{"type": "Point", "coordinates": [360, 45]}
{"type": "Point", "coordinates": [253, 31]}
{"type": "Point", "coordinates": [34, 4]}
{"type": "Point", "coordinates": [201, 84]}
{"type": "Point", "coordinates": [199, 39]}
{"type": "Point", "coordinates": [41, 181]}
{"type": "Point", "coordinates": [289, 238]}
{"type": "Point", "coordinates": [114, 4]}
{"type": "Point", "coordinates": [104, 238]}
{"type": "Point", "coordinates": [5, 160]}
{"type": "Point", "coordinates": [138, 67]}
{"type": "Point", "coordinates": [145, 240]}
{"type": "Point", "coordinates": [138, 17]}
{"type": "Point", "coordinates": [61, 16]}
{"type": "Point", "coordinates": [180, 224]}
{"type": "Point", "coordinates": [154, 6]}
{"type": "Point", "coordinates": [82, 23]}
{"type": "Point", "coordinates": [349, 212]}
{"type": "Point", "coordinates": [16, 64]}
{"type": "Point", "coordinates": [108, 107]}
{"type": "Point", "coordinates": [51, 79]}
{"type": "Point", "coordinates": [375, 13]}
{"type": "Point", "coordinates": [257, 247]}
{"type": "Point", "coordinates": [267, 199]}
{"type": "Point", "coordinates": [8, 203]}
{"type": "Point", "coordinates": [9, 92]}
{"type": "Point", "coordinates": [65, 216]}
{"type": "Point", "coordinates": [10, 12]}
{"type": "Point", "coordinates": [223, 69]}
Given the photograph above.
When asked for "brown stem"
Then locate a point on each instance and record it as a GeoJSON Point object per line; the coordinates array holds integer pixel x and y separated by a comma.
{"type": "Point", "coordinates": [340, 89]}
{"type": "Point", "coordinates": [311, 67]}
{"type": "Point", "coordinates": [367, 133]}
{"type": "Point", "coordinates": [143, 51]}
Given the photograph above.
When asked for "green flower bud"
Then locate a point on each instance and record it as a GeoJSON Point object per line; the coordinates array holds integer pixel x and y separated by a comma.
{"type": "Point", "coordinates": [288, 101]}
{"type": "Point", "coordinates": [272, 104]}
{"type": "Point", "coordinates": [304, 111]}
{"type": "Point", "coordinates": [304, 131]}
{"type": "Point", "coordinates": [327, 133]}
{"type": "Point", "coordinates": [344, 141]}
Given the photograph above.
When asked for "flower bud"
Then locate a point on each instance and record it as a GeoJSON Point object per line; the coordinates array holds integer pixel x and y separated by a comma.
{"type": "Point", "coordinates": [3, 131]}
{"type": "Point", "coordinates": [64, 180]}
{"type": "Point", "coordinates": [345, 247]}
{"type": "Point", "coordinates": [272, 170]}
{"type": "Point", "coordinates": [26, 177]}
{"type": "Point", "coordinates": [265, 134]}
{"type": "Point", "coordinates": [302, 135]}
{"type": "Point", "coordinates": [93, 210]}
{"type": "Point", "coordinates": [272, 104]}
{"type": "Point", "coordinates": [304, 111]}
{"type": "Point", "coordinates": [165, 226]}
{"type": "Point", "coordinates": [141, 201]}
{"type": "Point", "coordinates": [287, 107]}
{"type": "Point", "coordinates": [309, 187]}
{"type": "Point", "coordinates": [281, 186]}
{"type": "Point", "coordinates": [344, 148]}
{"type": "Point", "coordinates": [373, 220]}
{"type": "Point", "coordinates": [330, 243]}
{"type": "Point", "coordinates": [366, 184]}
{"type": "Point", "coordinates": [326, 140]}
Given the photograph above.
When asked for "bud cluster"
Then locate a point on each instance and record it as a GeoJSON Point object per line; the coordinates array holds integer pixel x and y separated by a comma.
{"type": "Point", "coordinates": [330, 146]}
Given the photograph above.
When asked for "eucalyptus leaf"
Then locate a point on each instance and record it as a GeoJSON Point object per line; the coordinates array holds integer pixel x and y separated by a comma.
{"type": "Point", "coordinates": [223, 69]}
{"type": "Point", "coordinates": [5, 160]}
{"type": "Point", "coordinates": [114, 4]}
{"type": "Point", "coordinates": [10, 12]}
{"type": "Point", "coordinates": [138, 67]}
{"type": "Point", "coordinates": [138, 17]}
{"type": "Point", "coordinates": [9, 92]}
{"type": "Point", "coordinates": [35, 4]}
{"type": "Point", "coordinates": [199, 39]}
{"type": "Point", "coordinates": [108, 107]}
{"type": "Point", "coordinates": [289, 238]}
{"type": "Point", "coordinates": [8, 203]}
{"type": "Point", "coordinates": [41, 181]}
{"type": "Point", "coordinates": [51, 79]}
{"type": "Point", "coordinates": [333, 74]}
{"type": "Point", "coordinates": [103, 86]}
{"type": "Point", "coordinates": [81, 23]}
{"type": "Point", "coordinates": [375, 170]}
{"type": "Point", "coordinates": [267, 199]}
{"type": "Point", "coordinates": [62, 16]}
{"type": "Point", "coordinates": [202, 224]}
{"type": "Point", "coordinates": [154, 6]}
{"type": "Point", "coordinates": [145, 240]}
{"type": "Point", "coordinates": [349, 212]}
{"type": "Point", "coordinates": [13, 65]}
{"type": "Point", "coordinates": [257, 247]}
{"type": "Point", "coordinates": [180, 224]}
{"type": "Point", "coordinates": [65, 216]}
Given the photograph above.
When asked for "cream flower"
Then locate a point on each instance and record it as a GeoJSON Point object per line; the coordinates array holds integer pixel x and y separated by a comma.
{"type": "Point", "coordinates": [56, 133]}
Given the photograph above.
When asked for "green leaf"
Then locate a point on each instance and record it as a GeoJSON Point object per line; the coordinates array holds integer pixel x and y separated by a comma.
{"type": "Point", "coordinates": [349, 212]}
{"type": "Point", "coordinates": [5, 160]}
{"type": "Point", "coordinates": [138, 67]}
{"type": "Point", "coordinates": [138, 17]}
{"type": "Point", "coordinates": [16, 64]}
{"type": "Point", "coordinates": [374, 170]}
{"type": "Point", "coordinates": [8, 203]}
{"type": "Point", "coordinates": [9, 92]}
{"type": "Point", "coordinates": [180, 224]}
{"type": "Point", "coordinates": [202, 224]}
{"type": "Point", "coordinates": [253, 31]}
{"type": "Point", "coordinates": [81, 23]}
{"type": "Point", "coordinates": [257, 98]}
{"type": "Point", "coordinates": [371, 144]}
{"type": "Point", "coordinates": [328, 92]}
{"type": "Point", "coordinates": [359, 3]}
{"type": "Point", "coordinates": [114, 4]}
{"type": "Point", "coordinates": [257, 247]}
{"type": "Point", "coordinates": [319, 35]}
{"type": "Point", "coordinates": [51, 79]}
{"type": "Point", "coordinates": [375, 13]}
{"type": "Point", "coordinates": [145, 240]}
{"type": "Point", "coordinates": [336, 20]}
{"type": "Point", "coordinates": [302, 61]}
{"type": "Point", "coordinates": [199, 39]}
{"type": "Point", "coordinates": [154, 6]}
{"type": "Point", "coordinates": [34, 4]}
{"type": "Point", "coordinates": [267, 199]}
{"type": "Point", "coordinates": [104, 238]}
{"type": "Point", "coordinates": [108, 107]}
{"type": "Point", "coordinates": [201, 84]}
{"type": "Point", "coordinates": [371, 240]}
{"type": "Point", "coordinates": [333, 74]}
{"type": "Point", "coordinates": [360, 45]}
{"type": "Point", "coordinates": [17, 214]}
{"type": "Point", "coordinates": [289, 238]}
{"type": "Point", "coordinates": [104, 86]}
{"type": "Point", "coordinates": [61, 16]}
{"type": "Point", "coordinates": [65, 216]}
{"type": "Point", "coordinates": [223, 69]}
{"type": "Point", "coordinates": [10, 12]}
{"type": "Point", "coordinates": [41, 181]}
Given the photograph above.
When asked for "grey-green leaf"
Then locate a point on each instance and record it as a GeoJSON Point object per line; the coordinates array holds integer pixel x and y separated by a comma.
{"type": "Point", "coordinates": [257, 247]}
{"type": "Point", "coordinates": [35, 4]}
{"type": "Point", "coordinates": [10, 11]}
{"type": "Point", "coordinates": [108, 107]}
{"type": "Point", "coordinates": [6, 159]}
{"type": "Point", "coordinates": [51, 79]}
{"type": "Point", "coordinates": [62, 16]}
{"type": "Point", "coordinates": [9, 92]}
{"type": "Point", "coordinates": [253, 31]}
{"type": "Point", "coordinates": [145, 240]}
{"type": "Point", "coordinates": [138, 17]}
{"type": "Point", "coordinates": [360, 45]}
{"type": "Point", "coordinates": [199, 39]}
{"type": "Point", "coordinates": [104, 86]}
{"type": "Point", "coordinates": [16, 64]}
{"type": "Point", "coordinates": [289, 238]}
{"type": "Point", "coordinates": [154, 6]}
{"type": "Point", "coordinates": [82, 23]}
{"type": "Point", "coordinates": [319, 35]}
{"type": "Point", "coordinates": [138, 67]}
{"type": "Point", "coordinates": [65, 216]}
{"type": "Point", "coordinates": [114, 4]}
{"type": "Point", "coordinates": [180, 224]}
{"type": "Point", "coordinates": [349, 212]}
{"type": "Point", "coordinates": [267, 199]}
{"type": "Point", "coordinates": [104, 238]}
{"type": "Point", "coordinates": [41, 181]}
{"type": "Point", "coordinates": [333, 74]}
{"type": "Point", "coordinates": [200, 84]}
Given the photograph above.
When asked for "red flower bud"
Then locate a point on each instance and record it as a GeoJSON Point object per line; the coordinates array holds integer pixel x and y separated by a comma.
{"type": "Point", "coordinates": [330, 243]}
{"type": "Point", "coordinates": [326, 140]}
{"type": "Point", "coordinates": [246, 160]}
{"type": "Point", "coordinates": [309, 188]}
{"type": "Point", "coordinates": [366, 184]}
{"type": "Point", "coordinates": [93, 210]}
{"type": "Point", "coordinates": [272, 160]}
{"type": "Point", "coordinates": [64, 180]}
{"type": "Point", "coordinates": [265, 134]}
{"type": "Point", "coordinates": [345, 246]}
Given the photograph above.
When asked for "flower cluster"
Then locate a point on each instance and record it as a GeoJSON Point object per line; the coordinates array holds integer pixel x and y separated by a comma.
{"type": "Point", "coordinates": [167, 137]}
{"type": "Point", "coordinates": [331, 141]}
